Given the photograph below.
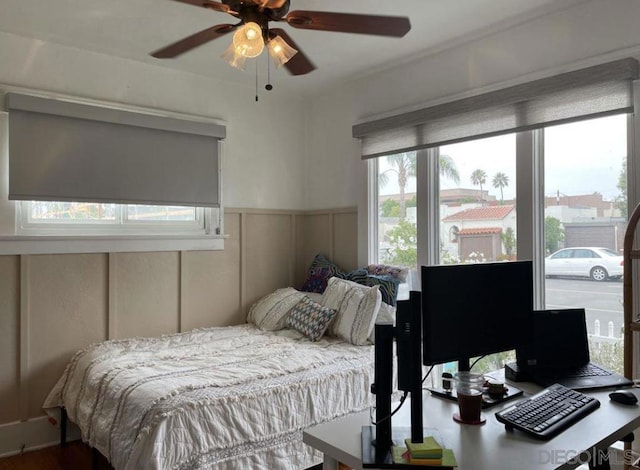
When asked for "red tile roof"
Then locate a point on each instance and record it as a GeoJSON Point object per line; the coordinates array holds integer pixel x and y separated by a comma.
{"type": "Point", "coordinates": [480, 231]}
{"type": "Point", "coordinates": [482, 213]}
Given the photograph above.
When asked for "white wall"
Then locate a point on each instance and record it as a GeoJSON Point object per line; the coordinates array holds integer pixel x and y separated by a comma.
{"type": "Point", "coordinates": [589, 33]}
{"type": "Point", "coordinates": [263, 157]}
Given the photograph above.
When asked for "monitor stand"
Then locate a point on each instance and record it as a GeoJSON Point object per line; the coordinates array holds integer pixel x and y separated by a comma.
{"type": "Point", "coordinates": [487, 400]}
{"type": "Point", "coordinates": [375, 457]}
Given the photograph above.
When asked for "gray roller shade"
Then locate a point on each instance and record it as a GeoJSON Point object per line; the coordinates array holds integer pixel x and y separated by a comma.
{"type": "Point", "coordinates": [65, 151]}
{"type": "Point", "coordinates": [582, 94]}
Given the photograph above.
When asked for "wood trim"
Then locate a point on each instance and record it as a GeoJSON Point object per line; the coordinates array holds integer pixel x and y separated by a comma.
{"type": "Point", "coordinates": [332, 235]}
{"type": "Point", "coordinates": [182, 288]}
{"type": "Point", "coordinates": [111, 297]}
{"type": "Point", "coordinates": [242, 236]}
{"type": "Point", "coordinates": [24, 337]}
{"type": "Point", "coordinates": [341, 210]}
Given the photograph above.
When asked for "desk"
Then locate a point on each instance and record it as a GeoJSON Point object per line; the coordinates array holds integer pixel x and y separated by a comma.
{"type": "Point", "coordinates": [487, 446]}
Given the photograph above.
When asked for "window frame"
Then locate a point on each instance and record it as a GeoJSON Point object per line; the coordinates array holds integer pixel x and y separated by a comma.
{"type": "Point", "coordinates": [529, 199]}
{"type": "Point", "coordinates": [120, 225]}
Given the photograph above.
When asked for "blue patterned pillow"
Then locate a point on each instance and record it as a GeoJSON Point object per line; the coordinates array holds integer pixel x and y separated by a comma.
{"type": "Point", "coordinates": [388, 287]}
{"type": "Point", "coordinates": [310, 318]}
{"type": "Point", "coordinates": [388, 284]}
{"type": "Point", "coordinates": [320, 271]}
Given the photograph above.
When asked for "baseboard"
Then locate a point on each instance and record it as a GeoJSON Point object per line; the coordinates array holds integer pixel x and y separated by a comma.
{"type": "Point", "coordinates": [22, 436]}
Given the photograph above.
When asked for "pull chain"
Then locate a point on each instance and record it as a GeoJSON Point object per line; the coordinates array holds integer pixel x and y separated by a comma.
{"type": "Point", "coordinates": [256, 80]}
{"type": "Point", "coordinates": [268, 86]}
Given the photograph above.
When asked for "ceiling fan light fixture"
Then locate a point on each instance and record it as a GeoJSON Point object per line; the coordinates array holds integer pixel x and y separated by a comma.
{"type": "Point", "coordinates": [233, 58]}
{"type": "Point", "coordinates": [280, 51]}
{"type": "Point", "coordinates": [247, 40]}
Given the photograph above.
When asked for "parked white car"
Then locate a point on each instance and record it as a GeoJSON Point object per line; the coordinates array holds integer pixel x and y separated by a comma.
{"type": "Point", "coordinates": [599, 264]}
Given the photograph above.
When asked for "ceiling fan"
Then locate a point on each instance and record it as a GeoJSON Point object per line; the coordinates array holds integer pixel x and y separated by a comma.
{"type": "Point", "coordinates": [253, 31]}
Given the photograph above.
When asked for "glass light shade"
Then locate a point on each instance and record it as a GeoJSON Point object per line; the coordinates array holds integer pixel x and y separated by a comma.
{"type": "Point", "coordinates": [233, 58]}
{"type": "Point", "coordinates": [248, 40]}
{"type": "Point", "coordinates": [280, 51]}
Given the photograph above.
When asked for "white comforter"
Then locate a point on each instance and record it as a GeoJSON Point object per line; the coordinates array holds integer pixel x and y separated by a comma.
{"type": "Point", "coordinates": [223, 398]}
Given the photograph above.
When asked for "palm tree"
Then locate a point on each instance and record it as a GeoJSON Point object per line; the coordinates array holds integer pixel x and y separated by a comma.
{"type": "Point", "coordinates": [500, 180]}
{"type": "Point", "coordinates": [404, 166]}
{"type": "Point", "coordinates": [448, 168]}
{"type": "Point", "coordinates": [478, 178]}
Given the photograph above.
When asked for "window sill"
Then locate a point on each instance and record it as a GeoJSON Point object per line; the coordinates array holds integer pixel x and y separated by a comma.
{"type": "Point", "coordinates": [32, 245]}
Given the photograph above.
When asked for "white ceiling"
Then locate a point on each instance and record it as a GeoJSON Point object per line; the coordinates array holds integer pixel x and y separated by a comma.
{"type": "Point", "coordinates": [133, 28]}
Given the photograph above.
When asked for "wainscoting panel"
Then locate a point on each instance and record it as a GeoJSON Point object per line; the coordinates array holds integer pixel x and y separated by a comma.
{"type": "Point", "coordinates": [314, 235]}
{"type": "Point", "coordinates": [146, 294]}
{"type": "Point", "coordinates": [66, 311]}
{"type": "Point", "coordinates": [9, 342]}
{"type": "Point", "coordinates": [268, 254]}
{"type": "Point", "coordinates": [333, 234]}
{"type": "Point", "coordinates": [345, 237]}
{"type": "Point", "coordinates": [211, 283]}
{"type": "Point", "coordinates": [53, 305]}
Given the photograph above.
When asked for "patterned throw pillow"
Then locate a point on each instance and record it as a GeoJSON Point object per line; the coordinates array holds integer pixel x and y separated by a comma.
{"type": "Point", "coordinates": [388, 270]}
{"type": "Point", "coordinates": [270, 312]}
{"type": "Point", "coordinates": [357, 307]}
{"type": "Point", "coordinates": [320, 271]}
{"type": "Point", "coordinates": [388, 283]}
{"type": "Point", "coordinates": [310, 318]}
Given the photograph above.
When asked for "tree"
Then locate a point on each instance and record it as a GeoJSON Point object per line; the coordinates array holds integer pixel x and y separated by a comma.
{"type": "Point", "coordinates": [478, 178]}
{"type": "Point", "coordinates": [404, 244]}
{"type": "Point", "coordinates": [553, 234]}
{"type": "Point", "coordinates": [621, 198]}
{"type": "Point", "coordinates": [390, 208]}
{"type": "Point", "coordinates": [500, 181]}
{"type": "Point", "coordinates": [448, 168]}
{"type": "Point", "coordinates": [404, 166]}
{"type": "Point", "coordinates": [509, 241]}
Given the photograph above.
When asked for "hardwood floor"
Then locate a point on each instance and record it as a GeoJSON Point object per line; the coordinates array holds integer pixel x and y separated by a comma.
{"type": "Point", "coordinates": [74, 456]}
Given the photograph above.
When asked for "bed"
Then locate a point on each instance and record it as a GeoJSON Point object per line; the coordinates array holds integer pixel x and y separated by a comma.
{"type": "Point", "coordinates": [227, 397]}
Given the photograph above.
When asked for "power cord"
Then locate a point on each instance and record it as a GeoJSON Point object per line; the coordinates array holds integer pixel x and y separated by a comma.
{"type": "Point", "coordinates": [404, 397]}
{"type": "Point", "coordinates": [402, 400]}
{"type": "Point", "coordinates": [476, 361]}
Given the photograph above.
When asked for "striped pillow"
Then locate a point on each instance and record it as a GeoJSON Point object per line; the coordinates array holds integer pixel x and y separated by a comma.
{"type": "Point", "coordinates": [310, 318]}
{"type": "Point", "coordinates": [357, 307]}
{"type": "Point", "coordinates": [270, 312]}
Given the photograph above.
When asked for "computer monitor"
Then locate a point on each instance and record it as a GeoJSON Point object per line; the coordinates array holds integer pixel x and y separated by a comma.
{"type": "Point", "coordinates": [470, 310]}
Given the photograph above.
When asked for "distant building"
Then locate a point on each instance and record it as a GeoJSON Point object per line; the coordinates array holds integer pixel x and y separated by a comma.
{"type": "Point", "coordinates": [478, 230]}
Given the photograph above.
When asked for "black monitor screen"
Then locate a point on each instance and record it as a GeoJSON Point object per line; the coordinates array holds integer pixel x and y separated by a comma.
{"type": "Point", "coordinates": [470, 310]}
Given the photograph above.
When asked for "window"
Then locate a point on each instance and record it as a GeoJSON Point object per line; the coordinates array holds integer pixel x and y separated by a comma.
{"type": "Point", "coordinates": [477, 200]}
{"type": "Point", "coordinates": [115, 156]}
{"type": "Point", "coordinates": [550, 141]}
{"type": "Point", "coordinates": [585, 211]}
{"type": "Point", "coordinates": [74, 218]}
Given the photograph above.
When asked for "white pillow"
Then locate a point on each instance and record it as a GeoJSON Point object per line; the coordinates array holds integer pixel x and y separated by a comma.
{"type": "Point", "coordinates": [270, 312]}
{"type": "Point", "coordinates": [387, 313]}
{"type": "Point", "coordinates": [357, 308]}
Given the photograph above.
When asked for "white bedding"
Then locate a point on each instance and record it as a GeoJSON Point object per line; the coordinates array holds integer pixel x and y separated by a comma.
{"type": "Point", "coordinates": [218, 398]}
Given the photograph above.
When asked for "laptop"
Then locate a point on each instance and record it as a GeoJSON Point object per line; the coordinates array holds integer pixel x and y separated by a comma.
{"type": "Point", "coordinates": [558, 352]}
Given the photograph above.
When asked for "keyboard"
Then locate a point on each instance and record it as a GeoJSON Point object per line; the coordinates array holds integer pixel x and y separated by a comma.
{"type": "Point", "coordinates": [588, 370]}
{"type": "Point", "coordinates": [548, 412]}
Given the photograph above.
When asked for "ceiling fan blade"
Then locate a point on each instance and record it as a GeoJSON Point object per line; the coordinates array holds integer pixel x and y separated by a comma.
{"type": "Point", "coordinates": [207, 4]}
{"type": "Point", "coordinates": [195, 40]}
{"type": "Point", "coordinates": [299, 64]}
{"type": "Point", "coordinates": [396, 26]}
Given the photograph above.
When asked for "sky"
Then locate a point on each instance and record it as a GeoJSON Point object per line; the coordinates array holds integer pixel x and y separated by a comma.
{"type": "Point", "coordinates": [580, 158]}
